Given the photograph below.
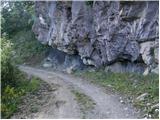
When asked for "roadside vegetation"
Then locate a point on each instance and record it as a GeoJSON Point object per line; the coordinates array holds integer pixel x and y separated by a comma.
{"type": "Point", "coordinates": [16, 25]}
{"type": "Point", "coordinates": [14, 83]}
{"type": "Point", "coordinates": [18, 46]}
{"type": "Point", "coordinates": [143, 91]}
{"type": "Point", "coordinates": [27, 50]}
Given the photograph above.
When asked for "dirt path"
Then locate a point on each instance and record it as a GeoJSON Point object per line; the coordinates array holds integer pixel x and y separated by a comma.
{"type": "Point", "coordinates": [106, 105]}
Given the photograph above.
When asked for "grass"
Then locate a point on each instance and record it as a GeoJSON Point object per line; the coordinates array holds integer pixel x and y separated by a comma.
{"type": "Point", "coordinates": [85, 102]}
{"type": "Point", "coordinates": [128, 84]}
{"type": "Point", "coordinates": [11, 96]}
{"type": "Point", "coordinates": [31, 86]}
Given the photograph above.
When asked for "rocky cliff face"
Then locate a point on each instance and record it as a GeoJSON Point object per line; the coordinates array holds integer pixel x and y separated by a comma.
{"type": "Point", "coordinates": [102, 33]}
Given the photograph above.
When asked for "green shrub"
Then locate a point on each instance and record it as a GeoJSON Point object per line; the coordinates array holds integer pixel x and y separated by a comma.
{"type": "Point", "coordinates": [27, 48]}
{"type": "Point", "coordinates": [7, 71]}
{"type": "Point", "coordinates": [14, 83]}
{"type": "Point", "coordinates": [16, 16]}
{"type": "Point", "coordinates": [17, 19]}
{"type": "Point", "coordinates": [8, 78]}
{"type": "Point", "coordinates": [9, 101]}
{"type": "Point", "coordinates": [11, 96]}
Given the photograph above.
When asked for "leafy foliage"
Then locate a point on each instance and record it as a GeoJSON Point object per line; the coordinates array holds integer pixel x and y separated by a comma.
{"type": "Point", "coordinates": [17, 20]}
{"type": "Point", "coordinates": [7, 70]}
{"type": "Point", "coordinates": [14, 83]}
{"type": "Point", "coordinates": [16, 16]}
{"type": "Point", "coordinates": [11, 95]}
{"type": "Point", "coordinates": [18, 45]}
{"type": "Point", "coordinates": [27, 48]}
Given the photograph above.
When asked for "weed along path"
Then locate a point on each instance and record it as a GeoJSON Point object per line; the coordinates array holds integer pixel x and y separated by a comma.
{"type": "Point", "coordinates": [77, 98]}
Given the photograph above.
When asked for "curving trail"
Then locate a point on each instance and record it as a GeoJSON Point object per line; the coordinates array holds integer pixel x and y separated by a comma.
{"type": "Point", "coordinates": [106, 105]}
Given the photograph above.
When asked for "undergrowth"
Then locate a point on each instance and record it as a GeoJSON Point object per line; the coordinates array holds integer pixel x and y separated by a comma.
{"type": "Point", "coordinates": [14, 83]}
{"type": "Point", "coordinates": [11, 94]}
{"type": "Point", "coordinates": [18, 46]}
{"type": "Point", "coordinates": [27, 49]}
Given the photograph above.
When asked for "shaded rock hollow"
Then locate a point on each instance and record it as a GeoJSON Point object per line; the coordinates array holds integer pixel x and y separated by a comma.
{"type": "Point", "coordinates": [102, 33]}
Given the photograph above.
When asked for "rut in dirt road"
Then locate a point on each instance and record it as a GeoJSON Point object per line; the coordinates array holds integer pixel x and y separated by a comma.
{"type": "Point", "coordinates": [106, 105]}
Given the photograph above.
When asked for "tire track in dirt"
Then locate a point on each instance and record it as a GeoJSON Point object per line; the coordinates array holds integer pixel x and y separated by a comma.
{"type": "Point", "coordinates": [106, 105]}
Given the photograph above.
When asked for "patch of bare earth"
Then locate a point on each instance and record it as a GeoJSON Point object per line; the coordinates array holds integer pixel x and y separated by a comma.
{"type": "Point", "coordinates": [33, 102]}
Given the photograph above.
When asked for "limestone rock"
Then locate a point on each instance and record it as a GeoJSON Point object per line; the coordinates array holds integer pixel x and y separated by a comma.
{"type": "Point", "coordinates": [146, 72]}
{"type": "Point", "coordinates": [47, 64]}
{"type": "Point", "coordinates": [142, 97]}
{"type": "Point", "coordinates": [147, 52]}
{"type": "Point", "coordinates": [60, 60]}
{"type": "Point", "coordinates": [70, 70]}
{"type": "Point", "coordinates": [100, 33]}
{"type": "Point", "coordinates": [155, 70]}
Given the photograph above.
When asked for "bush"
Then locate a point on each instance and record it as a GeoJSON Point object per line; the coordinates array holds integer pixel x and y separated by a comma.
{"type": "Point", "coordinates": [27, 48]}
{"type": "Point", "coordinates": [14, 83]}
{"type": "Point", "coordinates": [11, 96]}
{"type": "Point", "coordinates": [8, 78]}
{"type": "Point", "coordinates": [16, 16]}
{"type": "Point", "coordinates": [9, 101]}
{"type": "Point", "coordinates": [7, 70]}
{"type": "Point", "coordinates": [17, 19]}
